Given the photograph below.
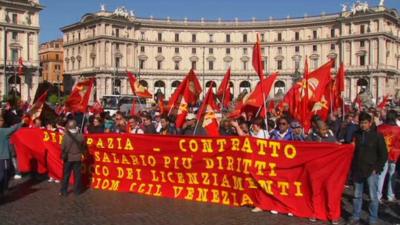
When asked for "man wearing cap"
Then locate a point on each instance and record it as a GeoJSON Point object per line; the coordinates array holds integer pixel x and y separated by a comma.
{"type": "Point", "coordinates": [189, 127]}
{"type": "Point", "coordinates": [297, 131]}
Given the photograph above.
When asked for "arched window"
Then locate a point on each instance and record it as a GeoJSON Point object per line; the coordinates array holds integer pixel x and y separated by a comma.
{"type": "Point", "coordinates": [279, 88]}
{"type": "Point", "coordinates": [231, 88]}
{"type": "Point", "coordinates": [362, 85]}
{"type": "Point", "coordinates": [244, 86]}
{"type": "Point", "coordinates": [117, 87]}
{"type": "Point", "coordinates": [144, 83]}
{"type": "Point", "coordinates": [159, 86]}
{"type": "Point", "coordinates": [175, 85]}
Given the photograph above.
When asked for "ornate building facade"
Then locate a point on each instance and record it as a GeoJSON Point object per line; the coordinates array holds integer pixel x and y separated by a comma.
{"type": "Point", "coordinates": [19, 38]}
{"type": "Point", "coordinates": [161, 51]}
{"type": "Point", "coordinates": [51, 60]}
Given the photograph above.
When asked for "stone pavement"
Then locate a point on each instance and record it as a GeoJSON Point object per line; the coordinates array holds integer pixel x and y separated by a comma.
{"type": "Point", "coordinates": [33, 202]}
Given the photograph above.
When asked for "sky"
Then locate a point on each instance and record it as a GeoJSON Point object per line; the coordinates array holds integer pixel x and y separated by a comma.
{"type": "Point", "coordinates": [59, 13]}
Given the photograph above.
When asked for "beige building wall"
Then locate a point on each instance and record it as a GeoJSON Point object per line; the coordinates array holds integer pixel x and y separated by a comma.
{"type": "Point", "coordinates": [107, 44]}
{"type": "Point", "coordinates": [19, 37]}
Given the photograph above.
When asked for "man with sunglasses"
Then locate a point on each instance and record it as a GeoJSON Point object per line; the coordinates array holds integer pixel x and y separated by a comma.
{"type": "Point", "coordinates": [283, 132]}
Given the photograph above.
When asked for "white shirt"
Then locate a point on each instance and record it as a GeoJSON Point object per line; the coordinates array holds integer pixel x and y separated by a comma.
{"type": "Point", "coordinates": [261, 134]}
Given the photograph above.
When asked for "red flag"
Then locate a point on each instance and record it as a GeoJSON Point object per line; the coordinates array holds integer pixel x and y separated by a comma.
{"type": "Point", "coordinates": [133, 108]}
{"type": "Point", "coordinates": [257, 62]}
{"type": "Point", "coordinates": [137, 88]}
{"type": "Point", "coordinates": [384, 102]}
{"type": "Point", "coordinates": [80, 96]}
{"type": "Point", "coordinates": [20, 66]}
{"type": "Point", "coordinates": [178, 93]}
{"type": "Point", "coordinates": [304, 101]}
{"type": "Point", "coordinates": [317, 82]}
{"type": "Point", "coordinates": [189, 96]}
{"type": "Point", "coordinates": [161, 105]}
{"type": "Point", "coordinates": [358, 102]}
{"type": "Point", "coordinates": [206, 114]}
{"type": "Point", "coordinates": [96, 108]}
{"type": "Point", "coordinates": [271, 106]}
{"type": "Point", "coordinates": [321, 108]}
{"type": "Point", "coordinates": [37, 107]}
{"type": "Point", "coordinates": [337, 89]}
{"type": "Point", "coordinates": [224, 92]}
{"type": "Point", "coordinates": [255, 101]}
{"type": "Point", "coordinates": [192, 89]}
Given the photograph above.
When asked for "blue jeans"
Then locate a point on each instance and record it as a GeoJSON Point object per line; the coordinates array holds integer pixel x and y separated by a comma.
{"type": "Point", "coordinates": [372, 181]}
{"type": "Point", "coordinates": [390, 167]}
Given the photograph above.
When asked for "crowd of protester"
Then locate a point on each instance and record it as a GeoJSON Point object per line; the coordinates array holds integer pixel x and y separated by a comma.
{"type": "Point", "coordinates": [370, 164]}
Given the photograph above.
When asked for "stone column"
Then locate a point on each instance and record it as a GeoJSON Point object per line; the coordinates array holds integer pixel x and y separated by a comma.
{"type": "Point", "coordinates": [353, 57]}
{"type": "Point", "coordinates": [353, 88]}
{"type": "Point", "coordinates": [382, 52]}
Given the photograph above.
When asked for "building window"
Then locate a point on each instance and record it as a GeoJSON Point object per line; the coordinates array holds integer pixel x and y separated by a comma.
{"type": "Point", "coordinates": [117, 32]}
{"type": "Point", "coordinates": [142, 49]}
{"type": "Point", "coordinates": [142, 36]}
{"type": "Point", "coordinates": [79, 37]}
{"type": "Point", "coordinates": [297, 36]}
{"type": "Point", "coordinates": [262, 37]}
{"type": "Point", "coordinates": [314, 48]}
{"type": "Point", "coordinates": [228, 51]}
{"type": "Point", "coordinates": [193, 50]}
{"type": "Point", "coordinates": [228, 38]}
{"type": "Point", "coordinates": [210, 65]}
{"type": "Point", "coordinates": [176, 50]}
{"type": "Point", "coordinates": [14, 55]}
{"type": "Point", "coordinates": [362, 29]}
{"type": "Point", "coordinates": [362, 60]}
{"type": "Point", "coordinates": [333, 46]}
{"type": "Point", "coordinates": [176, 65]}
{"type": "Point", "coordinates": [193, 37]}
{"type": "Point", "coordinates": [14, 18]}
{"type": "Point", "coordinates": [265, 65]}
{"type": "Point", "coordinates": [332, 33]}
{"type": "Point", "coordinates": [159, 65]}
{"type": "Point", "coordinates": [245, 65]}
{"type": "Point", "coordinates": [315, 63]}
{"type": "Point", "coordinates": [210, 51]}
{"type": "Point", "coordinates": [141, 64]}
{"type": "Point", "coordinates": [211, 37]}
{"type": "Point", "coordinates": [279, 64]}
{"type": "Point", "coordinates": [117, 62]}
{"type": "Point", "coordinates": [279, 36]}
{"type": "Point", "coordinates": [15, 36]}
{"type": "Point", "coordinates": [57, 57]}
{"type": "Point", "coordinates": [315, 34]}
{"type": "Point", "coordinates": [159, 49]}
{"type": "Point", "coordinates": [176, 37]}
{"type": "Point", "coordinates": [244, 51]}
{"type": "Point", "coordinates": [362, 44]}
{"type": "Point", "coordinates": [159, 36]}
{"type": "Point", "coordinates": [193, 65]}
{"type": "Point", "coordinates": [297, 49]}
{"type": "Point", "coordinates": [263, 51]}
{"type": "Point", "coordinates": [244, 38]}
{"type": "Point", "coordinates": [280, 50]}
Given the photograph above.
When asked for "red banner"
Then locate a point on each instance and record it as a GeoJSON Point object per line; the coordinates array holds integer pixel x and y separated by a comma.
{"type": "Point", "coordinates": [306, 179]}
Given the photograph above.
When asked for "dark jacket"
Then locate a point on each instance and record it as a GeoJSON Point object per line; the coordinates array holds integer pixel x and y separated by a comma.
{"type": "Point", "coordinates": [149, 129]}
{"type": "Point", "coordinates": [370, 154]}
{"type": "Point", "coordinates": [170, 130]}
{"type": "Point", "coordinates": [317, 138]}
{"type": "Point", "coordinates": [72, 148]}
{"type": "Point", "coordinates": [95, 129]}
